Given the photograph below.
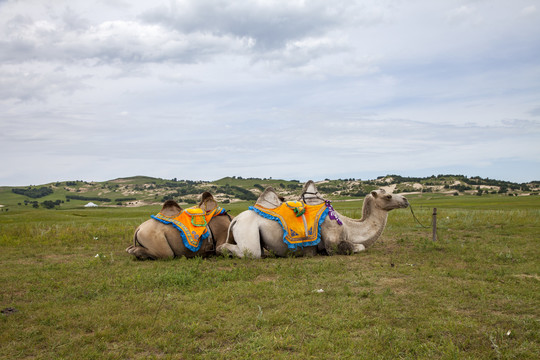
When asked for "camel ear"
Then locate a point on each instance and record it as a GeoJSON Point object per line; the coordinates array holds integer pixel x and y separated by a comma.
{"type": "Point", "coordinates": [170, 208]}
{"type": "Point", "coordinates": [374, 193]}
{"type": "Point", "coordinates": [382, 191]}
{"type": "Point", "coordinates": [208, 203]}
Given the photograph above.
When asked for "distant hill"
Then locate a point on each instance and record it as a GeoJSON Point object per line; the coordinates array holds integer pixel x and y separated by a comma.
{"type": "Point", "coordinates": [144, 190]}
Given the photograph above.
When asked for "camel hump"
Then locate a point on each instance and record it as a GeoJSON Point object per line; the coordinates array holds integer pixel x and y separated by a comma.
{"type": "Point", "coordinates": [170, 208]}
{"type": "Point", "coordinates": [208, 203]}
{"type": "Point", "coordinates": [269, 199]}
{"type": "Point", "coordinates": [310, 194]}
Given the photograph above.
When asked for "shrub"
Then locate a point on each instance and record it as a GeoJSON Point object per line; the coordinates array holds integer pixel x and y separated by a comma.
{"type": "Point", "coordinates": [32, 192]}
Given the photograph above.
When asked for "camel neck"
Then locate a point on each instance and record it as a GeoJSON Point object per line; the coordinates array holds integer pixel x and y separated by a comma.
{"type": "Point", "coordinates": [367, 229]}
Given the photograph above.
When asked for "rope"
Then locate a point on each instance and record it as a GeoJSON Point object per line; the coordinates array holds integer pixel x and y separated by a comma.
{"type": "Point", "coordinates": [415, 218]}
{"type": "Point", "coordinates": [311, 193]}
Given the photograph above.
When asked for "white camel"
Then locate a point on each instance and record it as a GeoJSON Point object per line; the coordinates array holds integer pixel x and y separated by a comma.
{"type": "Point", "coordinates": [253, 232]}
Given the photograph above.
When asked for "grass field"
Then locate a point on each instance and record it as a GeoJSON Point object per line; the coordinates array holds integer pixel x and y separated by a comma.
{"type": "Point", "coordinates": [69, 291]}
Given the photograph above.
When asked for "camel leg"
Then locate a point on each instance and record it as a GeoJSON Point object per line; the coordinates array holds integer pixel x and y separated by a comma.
{"type": "Point", "coordinates": [140, 253]}
{"type": "Point", "coordinates": [248, 248]}
{"type": "Point", "coordinates": [154, 244]}
{"type": "Point", "coordinates": [358, 248]}
{"type": "Point", "coordinates": [231, 249]}
{"type": "Point", "coordinates": [246, 235]}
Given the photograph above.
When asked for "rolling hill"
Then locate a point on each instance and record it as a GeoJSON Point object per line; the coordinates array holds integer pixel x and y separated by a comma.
{"type": "Point", "coordinates": [144, 190]}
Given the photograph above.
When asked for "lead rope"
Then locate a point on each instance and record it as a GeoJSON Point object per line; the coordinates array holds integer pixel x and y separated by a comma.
{"type": "Point", "coordinates": [415, 218]}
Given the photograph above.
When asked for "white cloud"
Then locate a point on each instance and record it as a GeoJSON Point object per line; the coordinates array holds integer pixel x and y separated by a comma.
{"type": "Point", "coordinates": [270, 24]}
{"type": "Point", "coordinates": [529, 10]}
{"type": "Point", "coordinates": [461, 13]}
{"type": "Point", "coordinates": [329, 87]}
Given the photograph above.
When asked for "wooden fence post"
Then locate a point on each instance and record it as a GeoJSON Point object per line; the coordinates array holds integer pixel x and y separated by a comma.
{"type": "Point", "coordinates": [434, 224]}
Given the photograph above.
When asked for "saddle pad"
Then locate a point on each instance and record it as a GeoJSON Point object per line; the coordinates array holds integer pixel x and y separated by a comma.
{"type": "Point", "coordinates": [198, 216]}
{"type": "Point", "coordinates": [192, 223]}
{"type": "Point", "coordinates": [298, 207]}
{"type": "Point", "coordinates": [298, 231]}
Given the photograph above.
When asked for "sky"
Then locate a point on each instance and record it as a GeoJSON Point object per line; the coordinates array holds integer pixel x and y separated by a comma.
{"type": "Point", "coordinates": [200, 89]}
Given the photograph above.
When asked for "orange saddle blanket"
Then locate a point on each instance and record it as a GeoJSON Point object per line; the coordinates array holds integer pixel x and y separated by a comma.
{"type": "Point", "coordinates": [301, 223]}
{"type": "Point", "coordinates": [192, 224]}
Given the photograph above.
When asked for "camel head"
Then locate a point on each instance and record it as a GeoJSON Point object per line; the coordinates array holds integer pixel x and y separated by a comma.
{"type": "Point", "coordinates": [386, 201]}
{"type": "Point", "coordinates": [310, 194]}
{"type": "Point", "coordinates": [208, 203]}
{"type": "Point", "coordinates": [170, 208]}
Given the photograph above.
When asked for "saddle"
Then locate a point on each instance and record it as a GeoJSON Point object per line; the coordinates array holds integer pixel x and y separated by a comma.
{"type": "Point", "coordinates": [192, 223]}
{"type": "Point", "coordinates": [300, 222]}
{"type": "Point", "coordinates": [310, 196]}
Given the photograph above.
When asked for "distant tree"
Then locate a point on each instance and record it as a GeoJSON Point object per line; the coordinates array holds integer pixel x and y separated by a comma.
{"type": "Point", "coordinates": [242, 193]}
{"type": "Point", "coordinates": [48, 204]}
{"type": "Point", "coordinates": [87, 198]}
{"type": "Point", "coordinates": [166, 197]}
{"type": "Point", "coordinates": [33, 192]}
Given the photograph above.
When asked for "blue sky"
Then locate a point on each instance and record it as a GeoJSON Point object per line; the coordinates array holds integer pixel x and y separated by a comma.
{"type": "Point", "coordinates": [199, 89]}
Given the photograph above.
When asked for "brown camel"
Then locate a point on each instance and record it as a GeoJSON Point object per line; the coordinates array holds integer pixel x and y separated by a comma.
{"type": "Point", "coordinates": [155, 240]}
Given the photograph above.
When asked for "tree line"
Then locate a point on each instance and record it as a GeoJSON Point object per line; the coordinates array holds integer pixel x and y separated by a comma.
{"type": "Point", "coordinates": [33, 192]}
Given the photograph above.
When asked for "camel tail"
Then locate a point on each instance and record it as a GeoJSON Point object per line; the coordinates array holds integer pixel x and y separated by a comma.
{"type": "Point", "coordinates": [135, 237]}
{"type": "Point", "coordinates": [229, 231]}
{"type": "Point", "coordinates": [132, 248]}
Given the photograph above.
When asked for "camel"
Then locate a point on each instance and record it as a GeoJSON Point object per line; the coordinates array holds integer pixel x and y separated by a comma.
{"type": "Point", "coordinates": [253, 232]}
{"type": "Point", "coordinates": [155, 240]}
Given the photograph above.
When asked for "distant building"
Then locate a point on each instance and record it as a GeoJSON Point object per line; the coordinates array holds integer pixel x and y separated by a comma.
{"type": "Point", "coordinates": [90, 204]}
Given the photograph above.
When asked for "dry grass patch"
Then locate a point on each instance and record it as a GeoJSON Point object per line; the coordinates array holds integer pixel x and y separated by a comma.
{"type": "Point", "coordinates": [263, 278]}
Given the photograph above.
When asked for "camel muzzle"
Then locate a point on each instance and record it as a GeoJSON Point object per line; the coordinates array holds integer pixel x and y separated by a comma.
{"type": "Point", "coordinates": [405, 203]}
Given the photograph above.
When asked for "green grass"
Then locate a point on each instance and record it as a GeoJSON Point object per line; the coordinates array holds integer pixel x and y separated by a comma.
{"type": "Point", "coordinates": [473, 294]}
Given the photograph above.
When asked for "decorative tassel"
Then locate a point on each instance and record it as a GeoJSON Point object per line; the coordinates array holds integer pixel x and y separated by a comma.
{"type": "Point", "coordinates": [332, 213]}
